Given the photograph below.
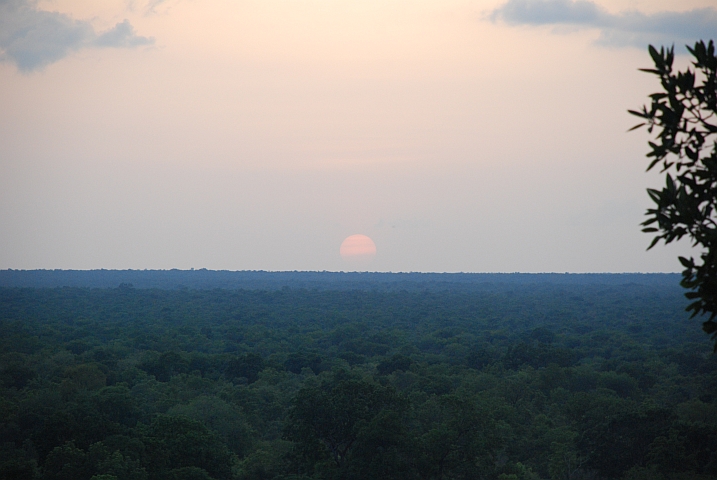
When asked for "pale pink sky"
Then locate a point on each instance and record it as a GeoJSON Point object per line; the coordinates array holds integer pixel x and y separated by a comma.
{"type": "Point", "coordinates": [483, 136]}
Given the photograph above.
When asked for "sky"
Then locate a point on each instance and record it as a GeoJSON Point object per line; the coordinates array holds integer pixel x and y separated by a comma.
{"type": "Point", "coordinates": [461, 136]}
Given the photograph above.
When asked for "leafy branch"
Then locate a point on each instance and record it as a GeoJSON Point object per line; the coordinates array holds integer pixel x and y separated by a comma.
{"type": "Point", "coordinates": [684, 119]}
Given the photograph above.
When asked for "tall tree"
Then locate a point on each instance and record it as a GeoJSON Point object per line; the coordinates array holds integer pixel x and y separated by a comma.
{"type": "Point", "coordinates": [331, 421]}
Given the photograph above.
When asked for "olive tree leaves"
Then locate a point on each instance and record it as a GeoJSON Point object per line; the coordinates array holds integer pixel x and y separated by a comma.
{"type": "Point", "coordinates": [684, 118]}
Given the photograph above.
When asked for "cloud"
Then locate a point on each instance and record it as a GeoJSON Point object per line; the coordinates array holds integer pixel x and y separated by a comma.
{"type": "Point", "coordinates": [631, 28]}
{"type": "Point", "coordinates": [121, 36]}
{"type": "Point", "coordinates": [33, 39]}
{"type": "Point", "coordinates": [152, 5]}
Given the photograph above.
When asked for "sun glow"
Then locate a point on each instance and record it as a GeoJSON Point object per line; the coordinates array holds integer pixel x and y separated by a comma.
{"type": "Point", "coordinates": [357, 247]}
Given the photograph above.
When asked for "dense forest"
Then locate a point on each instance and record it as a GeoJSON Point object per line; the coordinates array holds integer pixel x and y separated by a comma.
{"type": "Point", "coordinates": [518, 380]}
{"type": "Point", "coordinates": [203, 279]}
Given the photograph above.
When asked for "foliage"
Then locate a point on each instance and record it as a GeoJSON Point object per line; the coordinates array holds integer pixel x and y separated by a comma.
{"type": "Point", "coordinates": [526, 382]}
{"type": "Point", "coordinates": [329, 421]}
{"type": "Point", "coordinates": [684, 116]}
{"type": "Point", "coordinates": [173, 443]}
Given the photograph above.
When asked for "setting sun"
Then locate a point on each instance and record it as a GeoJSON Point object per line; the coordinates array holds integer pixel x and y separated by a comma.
{"type": "Point", "coordinates": [357, 247]}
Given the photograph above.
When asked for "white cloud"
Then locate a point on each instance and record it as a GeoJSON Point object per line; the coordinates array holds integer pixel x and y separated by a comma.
{"type": "Point", "coordinates": [33, 39]}
{"type": "Point", "coordinates": [631, 28]}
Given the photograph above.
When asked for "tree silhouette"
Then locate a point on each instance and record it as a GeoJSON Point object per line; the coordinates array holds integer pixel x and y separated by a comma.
{"type": "Point", "coordinates": [684, 117]}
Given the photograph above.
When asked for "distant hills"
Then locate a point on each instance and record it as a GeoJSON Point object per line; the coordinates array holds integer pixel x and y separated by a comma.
{"type": "Point", "coordinates": [262, 280]}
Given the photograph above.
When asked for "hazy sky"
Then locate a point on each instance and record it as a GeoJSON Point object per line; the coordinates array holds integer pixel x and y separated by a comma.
{"type": "Point", "coordinates": [476, 136]}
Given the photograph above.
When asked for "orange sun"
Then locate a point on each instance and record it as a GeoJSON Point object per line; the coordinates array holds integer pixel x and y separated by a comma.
{"type": "Point", "coordinates": [357, 247]}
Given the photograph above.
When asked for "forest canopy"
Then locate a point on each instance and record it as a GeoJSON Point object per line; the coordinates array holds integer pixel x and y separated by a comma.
{"type": "Point", "coordinates": [507, 381]}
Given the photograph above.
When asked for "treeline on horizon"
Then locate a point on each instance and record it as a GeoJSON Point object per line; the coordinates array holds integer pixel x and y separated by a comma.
{"type": "Point", "coordinates": [523, 382]}
{"type": "Point", "coordinates": [264, 280]}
